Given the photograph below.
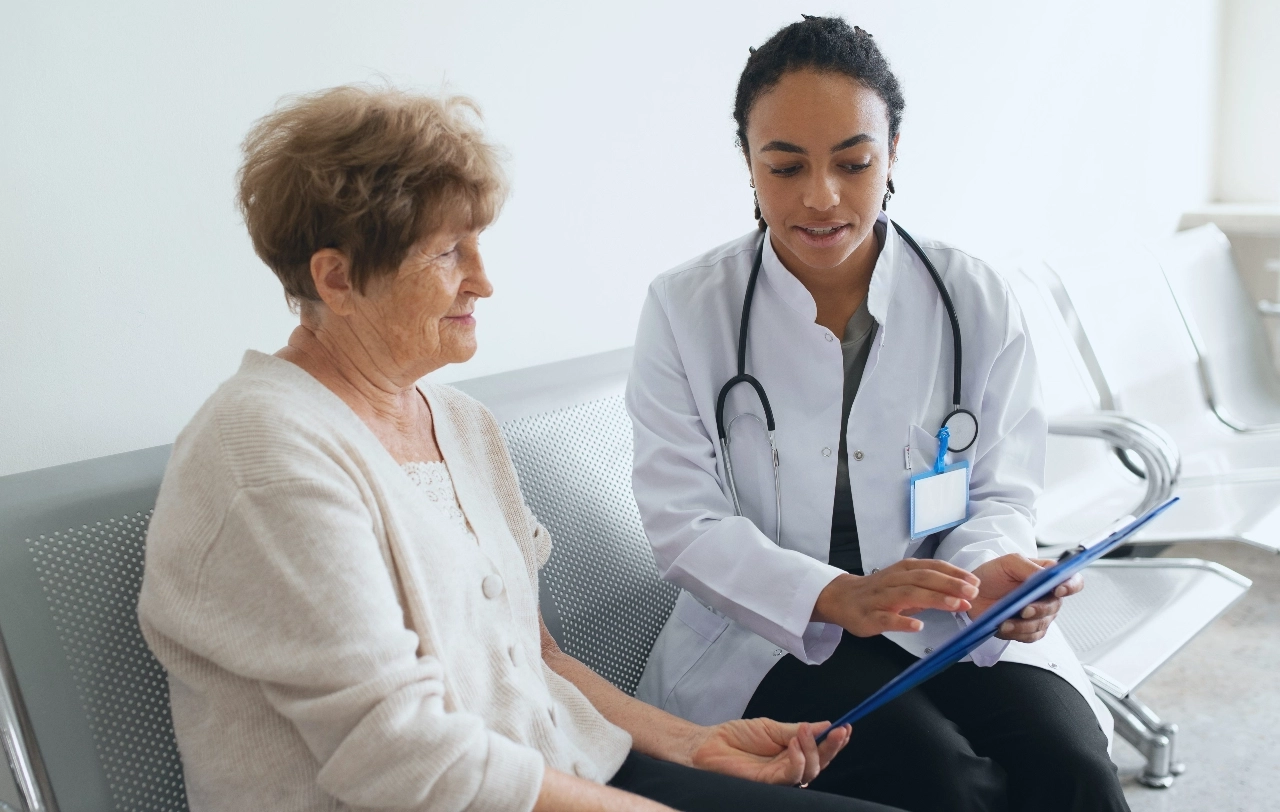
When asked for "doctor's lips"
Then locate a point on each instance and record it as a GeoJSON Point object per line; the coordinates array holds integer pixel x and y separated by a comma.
{"type": "Point", "coordinates": [822, 235]}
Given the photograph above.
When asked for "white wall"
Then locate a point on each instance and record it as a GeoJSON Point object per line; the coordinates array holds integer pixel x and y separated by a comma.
{"type": "Point", "coordinates": [128, 289]}
{"type": "Point", "coordinates": [1249, 114]}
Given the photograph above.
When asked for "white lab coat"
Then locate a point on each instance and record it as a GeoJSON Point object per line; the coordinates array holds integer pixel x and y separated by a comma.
{"type": "Point", "coordinates": [746, 597]}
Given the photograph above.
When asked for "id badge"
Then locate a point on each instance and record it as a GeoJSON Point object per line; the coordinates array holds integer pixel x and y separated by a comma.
{"type": "Point", "coordinates": [939, 500]}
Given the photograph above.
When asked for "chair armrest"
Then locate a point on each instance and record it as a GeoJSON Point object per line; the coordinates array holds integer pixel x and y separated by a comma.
{"type": "Point", "coordinates": [1160, 457]}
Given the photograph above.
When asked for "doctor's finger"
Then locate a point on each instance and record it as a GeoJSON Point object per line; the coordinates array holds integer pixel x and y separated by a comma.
{"type": "Point", "coordinates": [1024, 631]}
{"type": "Point", "coordinates": [914, 597]}
{"type": "Point", "coordinates": [1041, 608]}
{"type": "Point", "coordinates": [943, 567]}
{"type": "Point", "coordinates": [938, 582]}
{"type": "Point", "coordinates": [1070, 587]}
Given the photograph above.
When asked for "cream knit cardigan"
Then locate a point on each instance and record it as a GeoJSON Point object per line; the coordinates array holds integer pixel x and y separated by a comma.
{"type": "Point", "coordinates": [331, 642]}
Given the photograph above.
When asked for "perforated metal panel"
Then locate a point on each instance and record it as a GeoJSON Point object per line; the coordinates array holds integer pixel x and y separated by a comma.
{"type": "Point", "coordinates": [91, 576]}
{"type": "Point", "coordinates": [1118, 601]}
{"type": "Point", "coordinates": [575, 472]}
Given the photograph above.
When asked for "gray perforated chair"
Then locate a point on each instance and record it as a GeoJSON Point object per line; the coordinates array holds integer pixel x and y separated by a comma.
{"type": "Point", "coordinates": [84, 707]}
{"type": "Point", "coordinates": [570, 437]}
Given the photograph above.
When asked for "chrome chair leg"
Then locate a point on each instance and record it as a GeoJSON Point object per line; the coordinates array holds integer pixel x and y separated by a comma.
{"type": "Point", "coordinates": [1155, 739]}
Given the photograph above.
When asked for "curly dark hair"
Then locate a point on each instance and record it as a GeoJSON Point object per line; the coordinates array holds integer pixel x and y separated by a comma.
{"type": "Point", "coordinates": [826, 44]}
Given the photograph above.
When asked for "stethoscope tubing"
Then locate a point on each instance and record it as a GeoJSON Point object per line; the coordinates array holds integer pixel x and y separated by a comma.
{"type": "Point", "coordinates": [770, 426]}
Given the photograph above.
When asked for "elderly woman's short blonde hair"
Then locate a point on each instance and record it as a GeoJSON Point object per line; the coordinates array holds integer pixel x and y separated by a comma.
{"type": "Point", "coordinates": [368, 171]}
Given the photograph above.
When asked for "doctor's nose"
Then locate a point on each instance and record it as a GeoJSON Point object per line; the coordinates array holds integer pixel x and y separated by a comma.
{"type": "Point", "coordinates": [822, 192]}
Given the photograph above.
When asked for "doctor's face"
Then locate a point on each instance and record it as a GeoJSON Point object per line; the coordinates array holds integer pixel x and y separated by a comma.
{"type": "Point", "coordinates": [820, 158]}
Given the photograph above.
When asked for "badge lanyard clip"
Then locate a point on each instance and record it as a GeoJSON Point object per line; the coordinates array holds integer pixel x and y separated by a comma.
{"type": "Point", "coordinates": [944, 437]}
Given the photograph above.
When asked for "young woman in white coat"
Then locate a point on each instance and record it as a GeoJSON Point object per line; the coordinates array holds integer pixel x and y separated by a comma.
{"type": "Point", "coordinates": [802, 588]}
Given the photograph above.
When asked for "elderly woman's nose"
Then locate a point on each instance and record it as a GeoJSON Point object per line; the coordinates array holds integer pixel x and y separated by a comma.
{"type": "Point", "coordinates": [477, 282]}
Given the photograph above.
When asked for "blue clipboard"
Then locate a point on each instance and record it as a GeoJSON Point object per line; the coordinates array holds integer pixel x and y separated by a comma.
{"type": "Point", "coordinates": [1037, 586]}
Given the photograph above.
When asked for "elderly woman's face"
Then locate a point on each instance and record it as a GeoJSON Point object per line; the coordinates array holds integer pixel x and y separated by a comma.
{"type": "Point", "coordinates": [423, 312]}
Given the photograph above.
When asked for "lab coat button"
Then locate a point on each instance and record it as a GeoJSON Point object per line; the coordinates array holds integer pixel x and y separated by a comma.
{"type": "Point", "coordinates": [928, 651]}
{"type": "Point", "coordinates": [829, 337]}
{"type": "Point", "coordinates": [491, 586]}
{"type": "Point", "coordinates": [874, 570]}
{"type": "Point", "coordinates": [826, 452]}
{"type": "Point", "coordinates": [777, 652]}
{"type": "Point", "coordinates": [858, 455]}
{"type": "Point", "coordinates": [1053, 665]}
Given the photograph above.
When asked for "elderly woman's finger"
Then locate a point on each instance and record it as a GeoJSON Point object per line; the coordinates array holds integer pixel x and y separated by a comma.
{"type": "Point", "coordinates": [809, 746]}
{"type": "Point", "coordinates": [834, 743]}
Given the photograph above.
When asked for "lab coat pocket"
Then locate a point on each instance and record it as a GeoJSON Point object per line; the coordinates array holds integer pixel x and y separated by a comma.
{"type": "Point", "coordinates": [708, 624]}
{"type": "Point", "coordinates": [922, 449]}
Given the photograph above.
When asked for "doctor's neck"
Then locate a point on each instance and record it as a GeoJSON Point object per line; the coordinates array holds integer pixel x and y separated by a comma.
{"type": "Point", "coordinates": [838, 292]}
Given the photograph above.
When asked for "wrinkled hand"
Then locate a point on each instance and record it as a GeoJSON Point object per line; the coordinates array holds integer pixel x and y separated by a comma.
{"type": "Point", "coordinates": [882, 601]}
{"type": "Point", "coordinates": [1003, 574]}
{"type": "Point", "coordinates": [767, 751]}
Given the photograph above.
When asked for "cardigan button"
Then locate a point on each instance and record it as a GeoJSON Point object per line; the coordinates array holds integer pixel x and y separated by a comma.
{"type": "Point", "coordinates": [581, 770]}
{"type": "Point", "coordinates": [514, 653]}
{"type": "Point", "coordinates": [551, 711]}
{"type": "Point", "coordinates": [491, 586]}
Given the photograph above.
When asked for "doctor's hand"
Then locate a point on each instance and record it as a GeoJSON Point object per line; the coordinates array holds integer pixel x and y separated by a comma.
{"type": "Point", "coordinates": [767, 751]}
{"type": "Point", "coordinates": [884, 600]}
{"type": "Point", "coordinates": [1000, 575]}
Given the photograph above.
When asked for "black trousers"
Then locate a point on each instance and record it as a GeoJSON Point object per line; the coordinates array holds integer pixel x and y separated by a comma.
{"type": "Point", "coordinates": [1008, 737]}
{"type": "Point", "coordinates": [690, 790]}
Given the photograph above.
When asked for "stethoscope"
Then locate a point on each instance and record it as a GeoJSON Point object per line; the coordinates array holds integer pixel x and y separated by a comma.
{"type": "Point", "coordinates": [959, 424]}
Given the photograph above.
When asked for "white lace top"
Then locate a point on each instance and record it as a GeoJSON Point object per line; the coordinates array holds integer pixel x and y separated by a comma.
{"type": "Point", "coordinates": [433, 481]}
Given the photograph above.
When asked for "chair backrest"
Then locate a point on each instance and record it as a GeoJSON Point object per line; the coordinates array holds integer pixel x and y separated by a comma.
{"type": "Point", "coordinates": [89, 727]}
{"type": "Point", "coordinates": [1224, 323]}
{"type": "Point", "coordinates": [1067, 510]}
{"type": "Point", "coordinates": [570, 437]}
{"type": "Point", "coordinates": [1136, 332]}
{"type": "Point", "coordinates": [1065, 376]}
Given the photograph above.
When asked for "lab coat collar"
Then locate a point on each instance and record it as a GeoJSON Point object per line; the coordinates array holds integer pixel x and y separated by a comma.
{"type": "Point", "coordinates": [797, 296]}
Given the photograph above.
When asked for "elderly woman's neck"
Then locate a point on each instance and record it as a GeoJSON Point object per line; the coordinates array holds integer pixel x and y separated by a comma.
{"type": "Point", "coordinates": [382, 393]}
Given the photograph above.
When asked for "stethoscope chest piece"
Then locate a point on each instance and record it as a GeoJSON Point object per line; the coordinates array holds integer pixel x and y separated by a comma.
{"type": "Point", "coordinates": [962, 428]}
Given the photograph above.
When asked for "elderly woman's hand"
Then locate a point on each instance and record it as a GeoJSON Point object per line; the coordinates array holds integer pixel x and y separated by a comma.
{"type": "Point", "coordinates": [767, 751]}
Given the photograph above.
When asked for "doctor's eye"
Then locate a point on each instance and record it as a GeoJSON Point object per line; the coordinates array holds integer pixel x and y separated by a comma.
{"type": "Point", "coordinates": [855, 168]}
{"type": "Point", "coordinates": [784, 171]}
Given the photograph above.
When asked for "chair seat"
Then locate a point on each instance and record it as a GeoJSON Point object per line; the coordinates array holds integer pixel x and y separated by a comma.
{"type": "Point", "coordinates": [1135, 614]}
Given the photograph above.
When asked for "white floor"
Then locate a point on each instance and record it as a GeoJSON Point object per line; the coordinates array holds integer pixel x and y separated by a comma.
{"type": "Point", "coordinates": [1223, 691]}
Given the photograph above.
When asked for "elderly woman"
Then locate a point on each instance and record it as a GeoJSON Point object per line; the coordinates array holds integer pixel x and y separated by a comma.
{"type": "Point", "coordinates": [341, 574]}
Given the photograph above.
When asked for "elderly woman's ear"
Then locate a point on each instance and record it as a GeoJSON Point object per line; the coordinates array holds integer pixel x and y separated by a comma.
{"type": "Point", "coordinates": [331, 274]}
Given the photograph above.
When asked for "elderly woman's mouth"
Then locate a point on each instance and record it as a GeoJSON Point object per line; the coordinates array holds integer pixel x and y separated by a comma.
{"type": "Point", "coordinates": [466, 319]}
